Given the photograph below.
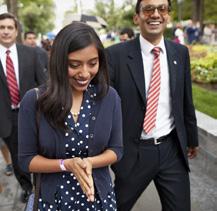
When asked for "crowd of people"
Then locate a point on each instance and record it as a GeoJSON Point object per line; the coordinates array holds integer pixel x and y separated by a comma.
{"type": "Point", "coordinates": [64, 122]}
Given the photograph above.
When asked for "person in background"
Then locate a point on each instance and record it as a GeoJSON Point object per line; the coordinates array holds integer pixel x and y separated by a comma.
{"type": "Point", "coordinates": [192, 32]}
{"type": "Point", "coordinates": [7, 157]}
{"type": "Point", "coordinates": [20, 70]}
{"type": "Point", "coordinates": [152, 77]}
{"type": "Point", "coordinates": [80, 126]}
{"type": "Point", "coordinates": [126, 34]}
{"type": "Point", "coordinates": [30, 40]}
{"type": "Point", "coordinates": [179, 34]}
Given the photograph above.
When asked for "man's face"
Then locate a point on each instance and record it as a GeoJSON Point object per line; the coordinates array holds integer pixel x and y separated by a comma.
{"type": "Point", "coordinates": [30, 40]}
{"type": "Point", "coordinates": [152, 19]}
{"type": "Point", "coordinates": [8, 32]}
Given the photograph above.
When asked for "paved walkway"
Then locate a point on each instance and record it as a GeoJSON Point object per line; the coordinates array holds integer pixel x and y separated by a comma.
{"type": "Point", "coordinates": [203, 188]}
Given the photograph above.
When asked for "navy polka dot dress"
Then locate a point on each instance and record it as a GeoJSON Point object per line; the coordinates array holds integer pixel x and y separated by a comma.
{"type": "Point", "coordinates": [69, 195]}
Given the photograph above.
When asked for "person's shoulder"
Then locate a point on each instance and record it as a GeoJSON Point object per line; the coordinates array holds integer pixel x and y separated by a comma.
{"type": "Point", "coordinates": [175, 46]}
{"type": "Point", "coordinates": [32, 94]}
{"type": "Point", "coordinates": [112, 93]}
{"type": "Point", "coordinates": [29, 99]}
{"type": "Point", "coordinates": [25, 49]}
{"type": "Point", "coordinates": [122, 46]}
{"type": "Point", "coordinates": [40, 50]}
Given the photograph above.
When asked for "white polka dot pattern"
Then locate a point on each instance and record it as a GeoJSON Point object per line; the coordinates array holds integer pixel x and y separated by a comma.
{"type": "Point", "coordinates": [69, 195]}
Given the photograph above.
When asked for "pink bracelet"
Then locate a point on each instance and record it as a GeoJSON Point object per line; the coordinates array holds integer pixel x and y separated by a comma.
{"type": "Point", "coordinates": [63, 168]}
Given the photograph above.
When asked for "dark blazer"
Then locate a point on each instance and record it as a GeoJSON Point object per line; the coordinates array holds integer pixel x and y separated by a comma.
{"type": "Point", "coordinates": [105, 131]}
{"type": "Point", "coordinates": [127, 77]}
{"type": "Point", "coordinates": [30, 75]}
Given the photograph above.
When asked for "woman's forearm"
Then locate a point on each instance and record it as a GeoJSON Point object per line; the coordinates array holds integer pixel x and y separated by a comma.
{"type": "Point", "coordinates": [108, 157]}
{"type": "Point", "coordinates": [40, 164]}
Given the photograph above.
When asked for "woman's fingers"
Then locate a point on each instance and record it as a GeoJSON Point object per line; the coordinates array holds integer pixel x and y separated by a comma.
{"type": "Point", "coordinates": [82, 170]}
{"type": "Point", "coordinates": [88, 166]}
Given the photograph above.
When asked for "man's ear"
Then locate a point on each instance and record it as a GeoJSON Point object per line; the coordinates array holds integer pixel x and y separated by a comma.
{"type": "Point", "coordinates": [136, 19]}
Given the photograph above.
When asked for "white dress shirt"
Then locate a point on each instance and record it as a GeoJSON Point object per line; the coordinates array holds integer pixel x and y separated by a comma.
{"type": "Point", "coordinates": [164, 119]}
{"type": "Point", "coordinates": [14, 58]}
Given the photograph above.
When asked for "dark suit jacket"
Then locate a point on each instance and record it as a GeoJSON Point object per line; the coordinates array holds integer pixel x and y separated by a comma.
{"type": "Point", "coordinates": [30, 75]}
{"type": "Point", "coordinates": [43, 57]}
{"type": "Point", "coordinates": [127, 77]}
{"type": "Point", "coordinates": [105, 131]}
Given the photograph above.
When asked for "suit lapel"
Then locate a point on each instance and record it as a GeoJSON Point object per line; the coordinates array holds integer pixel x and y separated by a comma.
{"type": "Point", "coordinates": [2, 75]}
{"type": "Point", "coordinates": [135, 64]}
{"type": "Point", "coordinates": [173, 63]}
{"type": "Point", "coordinates": [21, 60]}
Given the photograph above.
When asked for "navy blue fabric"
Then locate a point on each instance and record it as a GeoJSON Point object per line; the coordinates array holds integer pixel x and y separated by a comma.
{"type": "Point", "coordinates": [106, 134]}
{"type": "Point", "coordinates": [69, 195]}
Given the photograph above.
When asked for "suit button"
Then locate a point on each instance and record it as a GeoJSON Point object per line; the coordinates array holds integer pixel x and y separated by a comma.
{"type": "Point", "coordinates": [91, 135]}
{"type": "Point", "coordinates": [93, 118]}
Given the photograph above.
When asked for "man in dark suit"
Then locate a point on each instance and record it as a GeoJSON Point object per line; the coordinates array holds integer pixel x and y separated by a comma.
{"type": "Point", "coordinates": [20, 70]}
{"type": "Point", "coordinates": [152, 77]}
{"type": "Point", "coordinates": [30, 40]}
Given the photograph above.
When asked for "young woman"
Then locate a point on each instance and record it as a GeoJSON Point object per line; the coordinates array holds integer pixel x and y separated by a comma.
{"type": "Point", "coordinates": [80, 127]}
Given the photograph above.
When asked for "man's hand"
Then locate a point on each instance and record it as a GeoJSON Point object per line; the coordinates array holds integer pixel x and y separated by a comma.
{"type": "Point", "coordinates": [192, 152]}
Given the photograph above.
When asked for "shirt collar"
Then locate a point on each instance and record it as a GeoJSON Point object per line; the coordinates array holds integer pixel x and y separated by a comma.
{"type": "Point", "coordinates": [147, 47]}
{"type": "Point", "coordinates": [12, 48]}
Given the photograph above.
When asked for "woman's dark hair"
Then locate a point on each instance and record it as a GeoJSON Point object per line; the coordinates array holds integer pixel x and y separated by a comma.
{"type": "Point", "coordinates": [137, 8]}
{"type": "Point", "coordinates": [56, 101]}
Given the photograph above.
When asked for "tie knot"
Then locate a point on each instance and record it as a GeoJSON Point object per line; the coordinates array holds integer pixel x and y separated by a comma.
{"type": "Point", "coordinates": [156, 51]}
{"type": "Point", "coordinates": [8, 52]}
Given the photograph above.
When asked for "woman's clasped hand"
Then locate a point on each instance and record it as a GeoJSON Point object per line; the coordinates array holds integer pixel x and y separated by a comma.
{"type": "Point", "coordinates": [82, 170]}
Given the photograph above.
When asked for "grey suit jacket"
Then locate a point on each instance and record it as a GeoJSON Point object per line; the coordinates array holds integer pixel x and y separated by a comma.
{"type": "Point", "coordinates": [127, 77]}
{"type": "Point", "coordinates": [30, 75]}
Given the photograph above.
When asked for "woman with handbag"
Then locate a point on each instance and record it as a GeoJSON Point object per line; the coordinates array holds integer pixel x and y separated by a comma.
{"type": "Point", "coordinates": [79, 128]}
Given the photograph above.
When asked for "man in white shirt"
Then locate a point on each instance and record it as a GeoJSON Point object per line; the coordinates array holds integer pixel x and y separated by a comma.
{"type": "Point", "coordinates": [152, 77]}
{"type": "Point", "coordinates": [20, 70]}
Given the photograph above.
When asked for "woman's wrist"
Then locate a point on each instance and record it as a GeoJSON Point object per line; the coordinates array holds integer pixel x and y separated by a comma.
{"type": "Point", "coordinates": [61, 164]}
{"type": "Point", "coordinates": [89, 160]}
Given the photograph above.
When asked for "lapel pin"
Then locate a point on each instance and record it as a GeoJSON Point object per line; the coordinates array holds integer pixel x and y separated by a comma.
{"type": "Point", "coordinates": [174, 62]}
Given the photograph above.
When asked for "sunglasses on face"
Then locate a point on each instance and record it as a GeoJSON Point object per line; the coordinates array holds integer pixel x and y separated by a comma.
{"type": "Point", "coordinates": [148, 10]}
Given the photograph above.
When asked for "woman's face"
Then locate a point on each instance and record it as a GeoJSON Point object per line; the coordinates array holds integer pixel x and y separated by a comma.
{"type": "Point", "coordinates": [83, 65]}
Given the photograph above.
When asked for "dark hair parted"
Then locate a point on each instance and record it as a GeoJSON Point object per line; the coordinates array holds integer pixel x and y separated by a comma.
{"type": "Point", "coordinates": [4, 16]}
{"type": "Point", "coordinates": [29, 32]}
{"type": "Point", "coordinates": [55, 103]}
{"type": "Point", "coordinates": [137, 8]}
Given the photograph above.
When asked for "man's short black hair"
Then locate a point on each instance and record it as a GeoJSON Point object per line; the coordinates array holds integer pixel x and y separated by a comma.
{"type": "Point", "coordinates": [127, 31]}
{"type": "Point", "coordinates": [137, 8]}
{"type": "Point", "coordinates": [29, 32]}
{"type": "Point", "coordinates": [9, 16]}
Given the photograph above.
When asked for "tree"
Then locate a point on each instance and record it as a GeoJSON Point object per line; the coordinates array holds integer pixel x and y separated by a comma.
{"type": "Point", "coordinates": [37, 15]}
{"type": "Point", "coordinates": [116, 17]}
{"type": "Point", "coordinates": [197, 10]}
{"type": "Point", "coordinates": [12, 6]}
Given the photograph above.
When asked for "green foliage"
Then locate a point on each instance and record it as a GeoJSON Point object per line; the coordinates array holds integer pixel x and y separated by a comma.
{"type": "Point", "coordinates": [205, 100]}
{"type": "Point", "coordinates": [210, 8]}
{"type": "Point", "coordinates": [108, 11]}
{"type": "Point", "coordinates": [168, 34]}
{"type": "Point", "coordinates": [37, 15]}
{"type": "Point", "coordinates": [204, 64]}
{"type": "Point", "coordinates": [116, 17]}
{"type": "Point", "coordinates": [186, 10]}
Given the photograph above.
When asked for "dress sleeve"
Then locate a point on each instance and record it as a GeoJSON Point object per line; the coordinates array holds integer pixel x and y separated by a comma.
{"type": "Point", "coordinates": [116, 139]}
{"type": "Point", "coordinates": [27, 141]}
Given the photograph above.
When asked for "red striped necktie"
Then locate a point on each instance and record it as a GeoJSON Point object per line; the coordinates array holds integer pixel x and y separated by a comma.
{"type": "Point", "coordinates": [12, 81]}
{"type": "Point", "coordinates": [153, 93]}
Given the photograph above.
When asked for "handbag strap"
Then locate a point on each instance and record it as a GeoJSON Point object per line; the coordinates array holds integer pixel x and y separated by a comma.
{"type": "Point", "coordinates": [38, 175]}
